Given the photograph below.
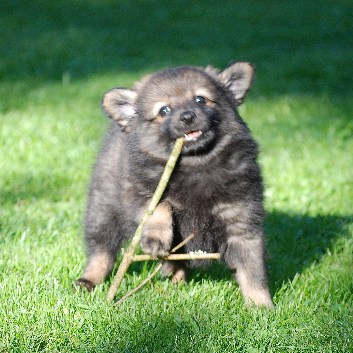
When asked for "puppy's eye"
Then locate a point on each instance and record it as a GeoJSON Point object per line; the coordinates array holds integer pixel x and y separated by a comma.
{"type": "Point", "coordinates": [200, 100]}
{"type": "Point", "coordinates": [164, 111]}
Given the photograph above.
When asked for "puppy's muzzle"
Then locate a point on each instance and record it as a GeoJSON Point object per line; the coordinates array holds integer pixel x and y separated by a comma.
{"type": "Point", "coordinates": [187, 117]}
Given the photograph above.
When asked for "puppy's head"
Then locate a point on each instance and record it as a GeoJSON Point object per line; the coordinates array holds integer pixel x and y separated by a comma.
{"type": "Point", "coordinates": [186, 101]}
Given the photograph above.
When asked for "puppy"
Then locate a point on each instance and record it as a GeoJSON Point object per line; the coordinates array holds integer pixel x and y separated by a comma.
{"type": "Point", "coordinates": [215, 191]}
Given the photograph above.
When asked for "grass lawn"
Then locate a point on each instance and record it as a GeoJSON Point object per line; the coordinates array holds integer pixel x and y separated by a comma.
{"type": "Point", "coordinates": [56, 61]}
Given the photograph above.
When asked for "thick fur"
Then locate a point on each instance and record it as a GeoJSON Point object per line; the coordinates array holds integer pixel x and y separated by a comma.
{"type": "Point", "coordinates": [215, 190]}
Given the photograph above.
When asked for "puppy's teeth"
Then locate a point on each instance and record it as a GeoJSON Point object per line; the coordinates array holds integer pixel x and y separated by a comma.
{"type": "Point", "coordinates": [189, 138]}
{"type": "Point", "coordinates": [193, 136]}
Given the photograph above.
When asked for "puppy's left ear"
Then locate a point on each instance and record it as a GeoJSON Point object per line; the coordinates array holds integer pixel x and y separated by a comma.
{"type": "Point", "coordinates": [238, 78]}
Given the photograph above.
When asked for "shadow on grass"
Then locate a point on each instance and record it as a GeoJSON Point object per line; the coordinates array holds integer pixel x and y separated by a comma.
{"type": "Point", "coordinates": [161, 332]}
{"type": "Point", "coordinates": [294, 243]}
{"type": "Point", "coordinates": [170, 333]}
{"type": "Point", "coordinates": [299, 46]}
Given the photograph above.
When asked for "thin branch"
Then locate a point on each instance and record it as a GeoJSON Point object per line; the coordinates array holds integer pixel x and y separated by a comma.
{"type": "Point", "coordinates": [128, 255]}
{"type": "Point", "coordinates": [143, 283]}
{"type": "Point", "coordinates": [181, 244]}
{"type": "Point", "coordinates": [179, 257]}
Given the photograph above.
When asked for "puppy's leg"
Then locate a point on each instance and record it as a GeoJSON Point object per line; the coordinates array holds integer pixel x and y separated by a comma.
{"type": "Point", "coordinates": [103, 235]}
{"type": "Point", "coordinates": [99, 265]}
{"type": "Point", "coordinates": [245, 257]}
{"type": "Point", "coordinates": [157, 234]}
{"type": "Point", "coordinates": [244, 249]}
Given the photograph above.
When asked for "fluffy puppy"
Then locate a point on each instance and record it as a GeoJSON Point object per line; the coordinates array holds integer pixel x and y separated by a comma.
{"type": "Point", "coordinates": [215, 190]}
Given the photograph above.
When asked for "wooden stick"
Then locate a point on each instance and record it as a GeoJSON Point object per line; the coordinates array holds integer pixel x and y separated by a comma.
{"type": "Point", "coordinates": [180, 245]}
{"type": "Point", "coordinates": [128, 255]}
{"type": "Point", "coordinates": [154, 272]}
{"type": "Point", "coordinates": [178, 257]}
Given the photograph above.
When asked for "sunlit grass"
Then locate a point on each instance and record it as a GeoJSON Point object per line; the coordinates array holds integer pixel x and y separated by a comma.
{"type": "Point", "coordinates": [45, 167]}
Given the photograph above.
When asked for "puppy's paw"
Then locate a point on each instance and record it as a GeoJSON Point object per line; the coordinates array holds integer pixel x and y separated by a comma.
{"type": "Point", "coordinates": [260, 302]}
{"type": "Point", "coordinates": [156, 241]}
{"type": "Point", "coordinates": [83, 283]}
{"type": "Point", "coordinates": [158, 231]}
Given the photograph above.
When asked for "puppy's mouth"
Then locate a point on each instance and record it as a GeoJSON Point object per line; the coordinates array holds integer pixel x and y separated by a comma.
{"type": "Point", "coordinates": [193, 135]}
{"type": "Point", "coordinates": [198, 142]}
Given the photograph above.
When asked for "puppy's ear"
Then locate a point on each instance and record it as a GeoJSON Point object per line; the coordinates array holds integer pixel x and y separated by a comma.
{"type": "Point", "coordinates": [238, 78]}
{"type": "Point", "coordinates": [119, 105]}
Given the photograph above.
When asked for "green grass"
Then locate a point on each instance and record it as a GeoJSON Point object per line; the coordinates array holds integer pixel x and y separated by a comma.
{"type": "Point", "coordinates": [57, 59]}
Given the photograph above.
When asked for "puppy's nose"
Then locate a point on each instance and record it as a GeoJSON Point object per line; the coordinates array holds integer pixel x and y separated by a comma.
{"type": "Point", "coordinates": [187, 117]}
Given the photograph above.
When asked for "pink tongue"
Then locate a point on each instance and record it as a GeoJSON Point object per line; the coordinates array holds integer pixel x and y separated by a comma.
{"type": "Point", "coordinates": [193, 135]}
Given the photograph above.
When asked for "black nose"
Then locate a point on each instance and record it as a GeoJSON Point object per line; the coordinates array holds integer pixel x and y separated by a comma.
{"type": "Point", "coordinates": [187, 117]}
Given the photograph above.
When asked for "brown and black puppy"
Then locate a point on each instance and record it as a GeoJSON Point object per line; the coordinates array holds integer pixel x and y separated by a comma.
{"type": "Point", "coordinates": [215, 191]}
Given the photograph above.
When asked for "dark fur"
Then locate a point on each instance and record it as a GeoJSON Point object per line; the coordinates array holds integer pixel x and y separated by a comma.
{"type": "Point", "coordinates": [215, 190]}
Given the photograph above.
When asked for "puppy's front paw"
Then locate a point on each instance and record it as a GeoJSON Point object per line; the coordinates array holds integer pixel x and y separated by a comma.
{"type": "Point", "coordinates": [158, 231]}
{"type": "Point", "coordinates": [156, 241]}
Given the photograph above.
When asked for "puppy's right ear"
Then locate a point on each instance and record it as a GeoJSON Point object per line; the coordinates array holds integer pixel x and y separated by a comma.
{"type": "Point", "coordinates": [119, 105]}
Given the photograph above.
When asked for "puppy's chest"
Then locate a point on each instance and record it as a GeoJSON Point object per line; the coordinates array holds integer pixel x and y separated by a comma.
{"type": "Point", "coordinates": [196, 190]}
